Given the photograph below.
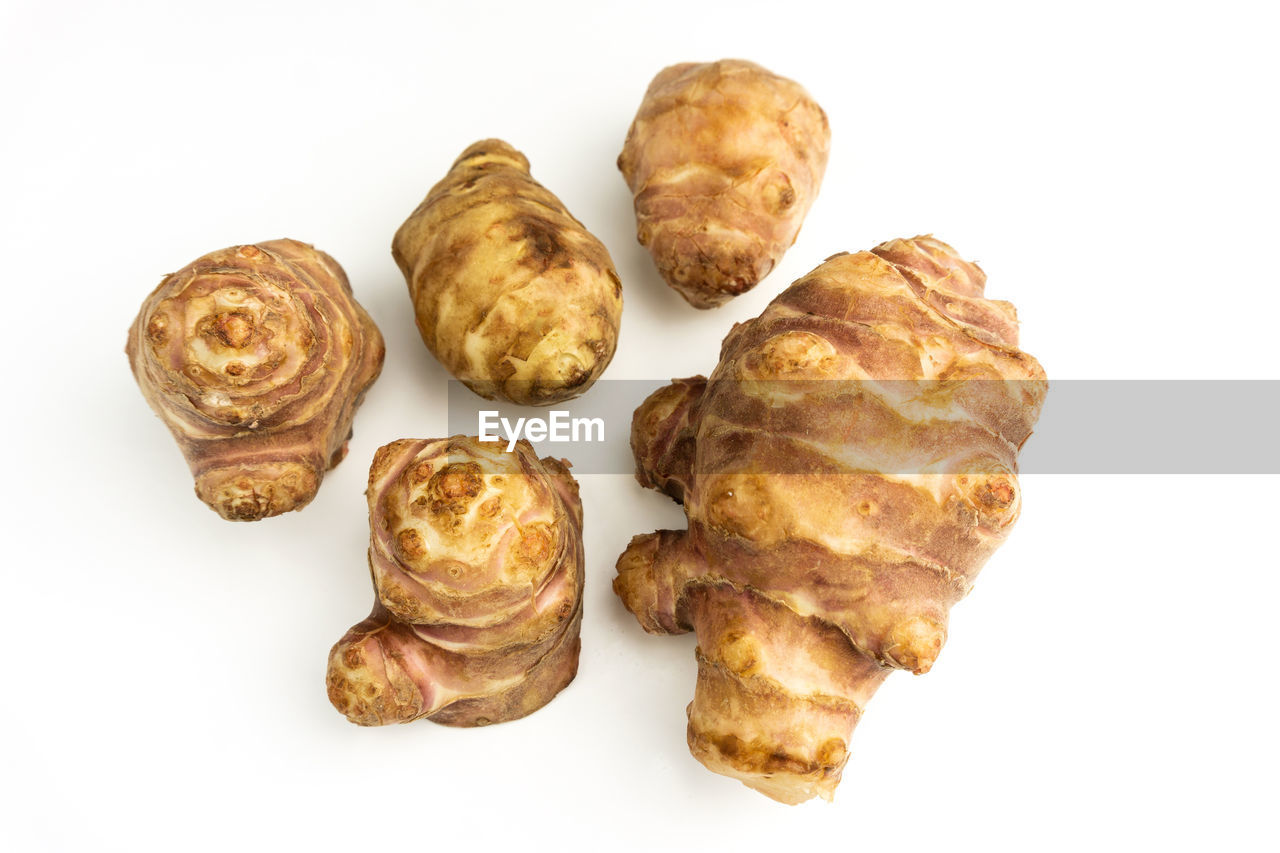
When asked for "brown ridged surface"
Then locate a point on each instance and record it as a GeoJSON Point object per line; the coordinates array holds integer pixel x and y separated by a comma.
{"type": "Point", "coordinates": [476, 557]}
{"type": "Point", "coordinates": [256, 358]}
{"type": "Point", "coordinates": [511, 293]}
{"type": "Point", "coordinates": [724, 160]}
{"type": "Point", "coordinates": [844, 484]}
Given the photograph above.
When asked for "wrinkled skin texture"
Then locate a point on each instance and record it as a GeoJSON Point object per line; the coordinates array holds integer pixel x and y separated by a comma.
{"type": "Point", "coordinates": [724, 160]}
{"type": "Point", "coordinates": [476, 557]}
{"type": "Point", "coordinates": [511, 293]}
{"type": "Point", "coordinates": [256, 358]}
{"type": "Point", "coordinates": [843, 485]}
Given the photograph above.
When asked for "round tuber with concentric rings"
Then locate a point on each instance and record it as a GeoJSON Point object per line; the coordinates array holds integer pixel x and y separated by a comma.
{"type": "Point", "coordinates": [256, 357]}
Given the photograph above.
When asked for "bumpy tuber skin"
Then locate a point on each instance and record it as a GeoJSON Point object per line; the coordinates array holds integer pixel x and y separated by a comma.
{"type": "Point", "coordinates": [476, 556]}
{"type": "Point", "coordinates": [835, 514]}
{"type": "Point", "coordinates": [256, 358]}
{"type": "Point", "coordinates": [724, 160]}
{"type": "Point", "coordinates": [511, 293]}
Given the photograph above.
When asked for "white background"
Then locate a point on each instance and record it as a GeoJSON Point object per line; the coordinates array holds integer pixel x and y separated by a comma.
{"type": "Point", "coordinates": [1111, 683]}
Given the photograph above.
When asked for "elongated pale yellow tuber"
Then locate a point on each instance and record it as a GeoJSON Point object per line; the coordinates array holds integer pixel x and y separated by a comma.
{"type": "Point", "coordinates": [846, 471]}
{"type": "Point", "coordinates": [511, 293]}
{"type": "Point", "coordinates": [256, 358]}
{"type": "Point", "coordinates": [476, 556]}
{"type": "Point", "coordinates": [724, 160]}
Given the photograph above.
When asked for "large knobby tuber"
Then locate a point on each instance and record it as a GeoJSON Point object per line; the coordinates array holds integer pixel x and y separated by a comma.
{"type": "Point", "coordinates": [256, 358]}
{"type": "Point", "coordinates": [511, 293]}
{"type": "Point", "coordinates": [476, 556]}
{"type": "Point", "coordinates": [724, 160]}
{"type": "Point", "coordinates": [846, 470]}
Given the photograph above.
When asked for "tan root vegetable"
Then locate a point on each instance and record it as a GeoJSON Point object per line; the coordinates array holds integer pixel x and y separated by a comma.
{"type": "Point", "coordinates": [724, 160]}
{"type": "Point", "coordinates": [256, 357]}
{"type": "Point", "coordinates": [511, 293]}
{"type": "Point", "coordinates": [834, 516]}
{"type": "Point", "coordinates": [476, 556]}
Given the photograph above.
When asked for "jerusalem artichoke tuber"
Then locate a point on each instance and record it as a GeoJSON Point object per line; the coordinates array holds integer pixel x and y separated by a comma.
{"type": "Point", "coordinates": [256, 358]}
{"type": "Point", "coordinates": [846, 471]}
{"type": "Point", "coordinates": [724, 160]}
{"type": "Point", "coordinates": [476, 556]}
{"type": "Point", "coordinates": [511, 293]}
